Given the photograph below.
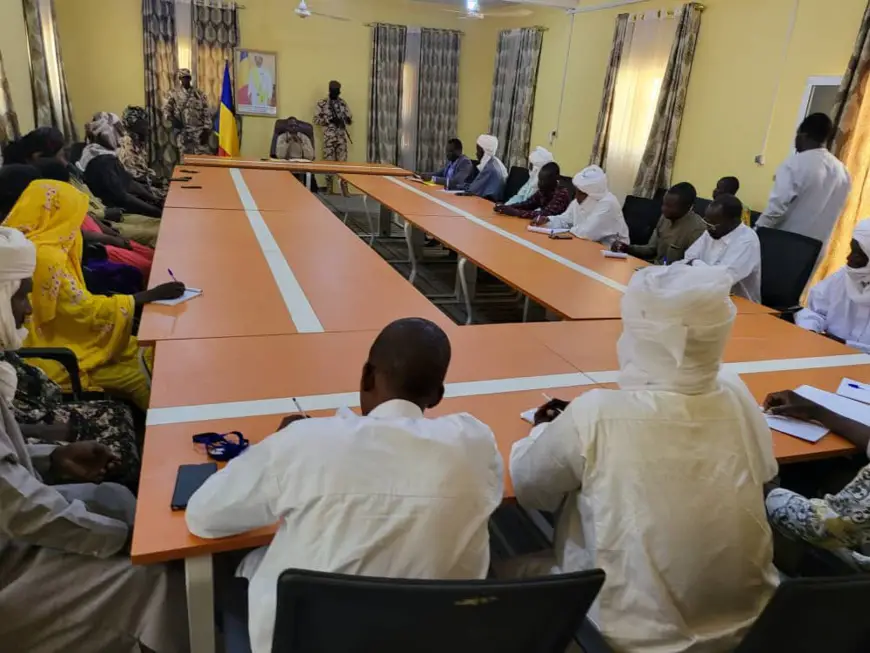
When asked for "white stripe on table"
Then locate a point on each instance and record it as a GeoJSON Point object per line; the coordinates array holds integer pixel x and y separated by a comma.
{"type": "Point", "coordinates": [513, 237]}
{"type": "Point", "coordinates": [301, 312]}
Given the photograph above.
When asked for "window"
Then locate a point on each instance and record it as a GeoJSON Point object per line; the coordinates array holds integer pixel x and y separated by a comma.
{"type": "Point", "coordinates": [820, 95]}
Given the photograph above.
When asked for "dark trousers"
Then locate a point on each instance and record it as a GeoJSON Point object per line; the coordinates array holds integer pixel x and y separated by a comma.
{"type": "Point", "coordinates": [233, 604]}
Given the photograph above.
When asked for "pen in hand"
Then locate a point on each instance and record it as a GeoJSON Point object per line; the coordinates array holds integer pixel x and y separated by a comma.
{"type": "Point", "coordinates": [171, 276]}
{"type": "Point", "coordinates": [299, 408]}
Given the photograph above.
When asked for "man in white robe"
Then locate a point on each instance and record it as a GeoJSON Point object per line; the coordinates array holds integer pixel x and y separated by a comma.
{"type": "Point", "coordinates": [839, 306]}
{"type": "Point", "coordinates": [66, 582]}
{"type": "Point", "coordinates": [811, 186]}
{"type": "Point", "coordinates": [260, 84]}
{"type": "Point", "coordinates": [594, 214]}
{"type": "Point", "coordinates": [660, 483]}
{"type": "Point", "coordinates": [731, 245]}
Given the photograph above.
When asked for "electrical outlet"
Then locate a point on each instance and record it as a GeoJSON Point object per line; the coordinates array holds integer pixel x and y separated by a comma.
{"type": "Point", "coordinates": [552, 137]}
{"type": "Point", "coordinates": [759, 160]}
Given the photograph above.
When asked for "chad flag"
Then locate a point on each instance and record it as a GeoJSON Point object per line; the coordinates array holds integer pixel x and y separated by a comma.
{"type": "Point", "coordinates": [225, 122]}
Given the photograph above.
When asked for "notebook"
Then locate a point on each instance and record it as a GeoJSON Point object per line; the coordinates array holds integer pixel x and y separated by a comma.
{"type": "Point", "coordinates": [189, 293]}
{"type": "Point", "coordinates": [547, 230]}
{"type": "Point", "coordinates": [797, 428]}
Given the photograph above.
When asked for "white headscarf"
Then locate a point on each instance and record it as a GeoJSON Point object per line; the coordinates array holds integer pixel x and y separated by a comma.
{"type": "Point", "coordinates": [591, 181]}
{"type": "Point", "coordinates": [538, 159]}
{"type": "Point", "coordinates": [489, 145]}
{"type": "Point", "coordinates": [676, 323]}
{"type": "Point", "coordinates": [103, 138]}
{"type": "Point", "coordinates": [598, 217]}
{"type": "Point", "coordinates": [858, 279]}
{"type": "Point", "coordinates": [17, 262]}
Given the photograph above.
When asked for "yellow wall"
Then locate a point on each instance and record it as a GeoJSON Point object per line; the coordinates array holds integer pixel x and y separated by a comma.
{"type": "Point", "coordinates": [13, 45]}
{"type": "Point", "coordinates": [737, 62]}
{"type": "Point", "coordinates": [102, 49]}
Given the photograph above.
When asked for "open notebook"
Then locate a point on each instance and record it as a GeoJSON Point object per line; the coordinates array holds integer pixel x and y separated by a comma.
{"type": "Point", "coordinates": [189, 293]}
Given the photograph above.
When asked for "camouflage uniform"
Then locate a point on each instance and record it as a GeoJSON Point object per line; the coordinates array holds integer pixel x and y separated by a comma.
{"type": "Point", "coordinates": [334, 136]}
{"type": "Point", "coordinates": [187, 110]}
{"type": "Point", "coordinates": [133, 153]}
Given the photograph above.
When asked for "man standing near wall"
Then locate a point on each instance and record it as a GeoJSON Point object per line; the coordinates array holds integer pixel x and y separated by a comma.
{"type": "Point", "coordinates": [334, 116]}
{"type": "Point", "coordinates": [186, 108]}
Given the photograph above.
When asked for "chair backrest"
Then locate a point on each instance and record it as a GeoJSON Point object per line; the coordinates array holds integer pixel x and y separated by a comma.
{"type": "Point", "coordinates": [753, 217]}
{"type": "Point", "coordinates": [336, 613]}
{"type": "Point", "coordinates": [814, 615]}
{"type": "Point", "coordinates": [517, 178]}
{"type": "Point", "coordinates": [641, 215]}
{"type": "Point", "coordinates": [701, 205]}
{"type": "Point", "coordinates": [282, 126]}
{"type": "Point", "coordinates": [787, 261]}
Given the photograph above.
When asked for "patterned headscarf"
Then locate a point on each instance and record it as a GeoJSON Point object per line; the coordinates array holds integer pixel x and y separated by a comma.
{"type": "Point", "coordinates": [103, 137]}
{"type": "Point", "coordinates": [133, 115]}
{"type": "Point", "coordinates": [182, 73]}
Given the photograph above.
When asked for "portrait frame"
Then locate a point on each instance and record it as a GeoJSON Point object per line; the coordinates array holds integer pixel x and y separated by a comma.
{"type": "Point", "coordinates": [248, 103]}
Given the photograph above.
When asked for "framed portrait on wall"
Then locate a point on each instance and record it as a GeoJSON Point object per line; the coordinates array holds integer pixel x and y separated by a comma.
{"type": "Point", "coordinates": [256, 82]}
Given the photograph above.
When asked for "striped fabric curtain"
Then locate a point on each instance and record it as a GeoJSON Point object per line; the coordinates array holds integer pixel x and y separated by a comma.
{"type": "Point", "coordinates": [513, 92]}
{"type": "Point", "coordinates": [385, 96]}
{"type": "Point", "coordinates": [161, 62]}
{"type": "Point", "coordinates": [605, 114]}
{"type": "Point", "coordinates": [9, 130]}
{"type": "Point", "coordinates": [438, 95]}
{"type": "Point", "coordinates": [51, 102]}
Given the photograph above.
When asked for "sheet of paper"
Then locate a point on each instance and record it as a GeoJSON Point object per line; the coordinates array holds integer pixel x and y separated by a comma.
{"type": "Point", "coordinates": [189, 293]}
{"type": "Point", "coordinates": [608, 254]}
{"type": "Point", "coordinates": [547, 230]}
{"type": "Point", "coordinates": [529, 415]}
{"type": "Point", "coordinates": [451, 192]}
{"type": "Point", "coordinates": [848, 408]}
{"type": "Point", "coordinates": [856, 390]}
{"type": "Point", "coordinates": [803, 430]}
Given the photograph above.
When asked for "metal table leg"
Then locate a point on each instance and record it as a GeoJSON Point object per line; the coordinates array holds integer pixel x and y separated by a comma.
{"type": "Point", "coordinates": [199, 583]}
{"type": "Point", "coordinates": [466, 274]}
{"type": "Point", "coordinates": [415, 240]}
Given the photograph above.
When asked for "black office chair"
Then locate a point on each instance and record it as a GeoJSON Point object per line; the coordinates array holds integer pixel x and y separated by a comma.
{"type": "Point", "coordinates": [753, 217]}
{"type": "Point", "coordinates": [811, 615]}
{"type": "Point", "coordinates": [641, 215]}
{"type": "Point", "coordinates": [567, 182]}
{"type": "Point", "coordinates": [701, 206]}
{"type": "Point", "coordinates": [787, 261]}
{"type": "Point", "coordinates": [335, 613]}
{"type": "Point", "coordinates": [517, 178]}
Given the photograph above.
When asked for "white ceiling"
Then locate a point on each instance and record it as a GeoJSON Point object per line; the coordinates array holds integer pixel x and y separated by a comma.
{"type": "Point", "coordinates": [461, 3]}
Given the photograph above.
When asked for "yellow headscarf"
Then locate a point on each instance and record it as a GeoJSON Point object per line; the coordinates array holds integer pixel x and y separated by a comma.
{"type": "Point", "coordinates": [65, 313]}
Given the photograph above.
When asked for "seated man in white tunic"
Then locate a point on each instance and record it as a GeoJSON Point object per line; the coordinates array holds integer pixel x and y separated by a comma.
{"type": "Point", "coordinates": [660, 482]}
{"type": "Point", "coordinates": [729, 244]}
{"type": "Point", "coordinates": [66, 582]}
{"type": "Point", "coordinates": [389, 493]}
{"type": "Point", "coordinates": [594, 214]}
{"type": "Point", "coordinates": [839, 306]}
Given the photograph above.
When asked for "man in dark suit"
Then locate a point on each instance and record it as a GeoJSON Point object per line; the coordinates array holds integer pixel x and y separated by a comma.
{"type": "Point", "coordinates": [458, 170]}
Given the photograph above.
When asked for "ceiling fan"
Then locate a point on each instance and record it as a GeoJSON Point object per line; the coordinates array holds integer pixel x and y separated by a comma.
{"type": "Point", "coordinates": [472, 11]}
{"type": "Point", "coordinates": [304, 12]}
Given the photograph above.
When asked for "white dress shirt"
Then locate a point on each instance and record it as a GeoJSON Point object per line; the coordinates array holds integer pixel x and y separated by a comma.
{"type": "Point", "coordinates": [829, 310]}
{"type": "Point", "coordinates": [598, 219]}
{"type": "Point", "coordinates": [739, 253]}
{"type": "Point", "coordinates": [393, 494]}
{"type": "Point", "coordinates": [655, 488]}
{"type": "Point", "coordinates": [809, 192]}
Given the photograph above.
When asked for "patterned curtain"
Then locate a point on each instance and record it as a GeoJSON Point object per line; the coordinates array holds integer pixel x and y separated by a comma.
{"type": "Point", "coordinates": [605, 114]}
{"type": "Point", "coordinates": [852, 146]}
{"type": "Point", "coordinates": [385, 95]}
{"type": "Point", "coordinates": [161, 62]}
{"type": "Point", "coordinates": [9, 130]}
{"type": "Point", "coordinates": [513, 92]}
{"type": "Point", "coordinates": [50, 95]}
{"type": "Point", "coordinates": [657, 163]}
{"type": "Point", "coordinates": [215, 34]}
{"type": "Point", "coordinates": [438, 95]}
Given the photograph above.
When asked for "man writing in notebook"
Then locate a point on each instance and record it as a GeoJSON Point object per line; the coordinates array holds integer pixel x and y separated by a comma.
{"type": "Point", "coordinates": [389, 493]}
{"type": "Point", "coordinates": [550, 198]}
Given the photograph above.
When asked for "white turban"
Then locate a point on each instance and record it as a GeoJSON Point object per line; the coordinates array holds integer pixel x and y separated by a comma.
{"type": "Point", "coordinates": [591, 181]}
{"type": "Point", "coordinates": [676, 323]}
{"type": "Point", "coordinates": [17, 262]}
{"type": "Point", "coordinates": [538, 159]}
{"type": "Point", "coordinates": [858, 279]}
{"type": "Point", "coordinates": [489, 145]}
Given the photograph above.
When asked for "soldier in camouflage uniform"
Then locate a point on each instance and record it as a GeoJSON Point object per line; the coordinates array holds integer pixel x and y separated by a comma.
{"type": "Point", "coordinates": [334, 116]}
{"type": "Point", "coordinates": [186, 108]}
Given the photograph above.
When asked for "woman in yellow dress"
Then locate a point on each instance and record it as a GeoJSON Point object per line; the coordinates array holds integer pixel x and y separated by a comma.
{"type": "Point", "coordinates": [96, 328]}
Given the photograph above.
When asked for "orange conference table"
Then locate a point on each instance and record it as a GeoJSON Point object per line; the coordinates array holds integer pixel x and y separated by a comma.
{"type": "Point", "coordinates": [314, 167]}
{"type": "Point", "coordinates": [334, 276]}
{"type": "Point", "coordinates": [198, 388]}
{"type": "Point", "coordinates": [570, 277]}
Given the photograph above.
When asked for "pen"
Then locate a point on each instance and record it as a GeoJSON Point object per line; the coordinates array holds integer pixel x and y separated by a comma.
{"type": "Point", "coordinates": [172, 276]}
{"type": "Point", "coordinates": [856, 386]}
{"type": "Point", "coordinates": [299, 408]}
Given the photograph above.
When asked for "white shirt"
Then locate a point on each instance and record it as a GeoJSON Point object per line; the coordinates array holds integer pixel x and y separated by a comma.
{"type": "Point", "coordinates": [739, 253]}
{"type": "Point", "coordinates": [829, 310]}
{"type": "Point", "coordinates": [393, 494]}
{"type": "Point", "coordinates": [809, 192]}
{"type": "Point", "coordinates": [596, 219]}
{"type": "Point", "coordinates": [657, 493]}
